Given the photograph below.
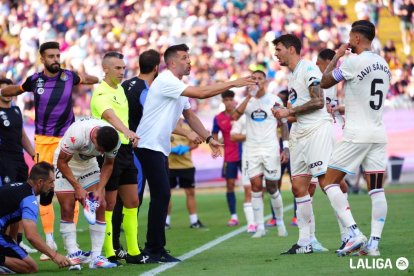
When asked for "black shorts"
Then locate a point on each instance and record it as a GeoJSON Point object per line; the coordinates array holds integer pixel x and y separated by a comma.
{"type": "Point", "coordinates": [182, 177]}
{"type": "Point", "coordinates": [124, 171]}
{"type": "Point", "coordinates": [12, 170]}
{"type": "Point", "coordinates": [9, 248]}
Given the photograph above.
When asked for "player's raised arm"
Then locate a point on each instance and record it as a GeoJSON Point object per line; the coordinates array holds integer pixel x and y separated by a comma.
{"type": "Point", "coordinates": [11, 90]}
{"type": "Point", "coordinates": [88, 79]}
{"type": "Point", "coordinates": [328, 79]}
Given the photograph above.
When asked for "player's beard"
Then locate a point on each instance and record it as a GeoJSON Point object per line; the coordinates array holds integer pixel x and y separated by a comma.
{"type": "Point", "coordinates": [353, 49]}
{"type": "Point", "coordinates": [53, 68]}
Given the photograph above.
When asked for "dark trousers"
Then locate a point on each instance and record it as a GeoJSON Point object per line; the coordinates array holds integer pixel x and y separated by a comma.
{"type": "Point", "coordinates": [155, 167]}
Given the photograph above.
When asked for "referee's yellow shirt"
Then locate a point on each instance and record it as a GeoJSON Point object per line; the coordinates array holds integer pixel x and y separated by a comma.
{"type": "Point", "coordinates": [105, 97]}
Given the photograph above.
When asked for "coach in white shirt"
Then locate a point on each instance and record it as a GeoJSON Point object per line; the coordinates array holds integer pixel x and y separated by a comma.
{"type": "Point", "coordinates": [167, 99]}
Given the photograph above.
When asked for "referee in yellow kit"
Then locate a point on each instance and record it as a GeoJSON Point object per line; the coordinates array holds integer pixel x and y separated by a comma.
{"type": "Point", "coordinates": [110, 104]}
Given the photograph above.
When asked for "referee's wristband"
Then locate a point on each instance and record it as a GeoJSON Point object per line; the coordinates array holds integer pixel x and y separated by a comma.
{"type": "Point", "coordinates": [285, 144]}
{"type": "Point", "coordinates": [208, 139]}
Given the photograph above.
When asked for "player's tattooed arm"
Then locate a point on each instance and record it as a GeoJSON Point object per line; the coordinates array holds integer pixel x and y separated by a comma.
{"type": "Point", "coordinates": [328, 79]}
{"type": "Point", "coordinates": [316, 102]}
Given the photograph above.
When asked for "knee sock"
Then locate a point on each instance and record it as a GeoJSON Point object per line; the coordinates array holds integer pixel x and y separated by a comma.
{"type": "Point", "coordinates": [193, 218]}
{"type": "Point", "coordinates": [97, 233]}
{"type": "Point", "coordinates": [248, 212]}
{"type": "Point", "coordinates": [303, 215]}
{"type": "Point", "coordinates": [68, 233]}
{"type": "Point", "coordinates": [312, 224]}
{"type": "Point", "coordinates": [231, 202]}
{"type": "Point", "coordinates": [277, 206]}
{"type": "Point", "coordinates": [257, 204]}
{"type": "Point", "coordinates": [108, 246]}
{"type": "Point", "coordinates": [342, 229]}
{"type": "Point", "coordinates": [131, 230]}
{"type": "Point", "coordinates": [379, 214]}
{"type": "Point", "coordinates": [47, 216]}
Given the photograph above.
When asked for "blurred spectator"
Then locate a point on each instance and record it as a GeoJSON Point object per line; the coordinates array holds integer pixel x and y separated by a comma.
{"type": "Point", "coordinates": [227, 37]}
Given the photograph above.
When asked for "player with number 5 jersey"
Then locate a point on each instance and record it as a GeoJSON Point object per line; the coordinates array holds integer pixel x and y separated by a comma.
{"type": "Point", "coordinates": [367, 79]}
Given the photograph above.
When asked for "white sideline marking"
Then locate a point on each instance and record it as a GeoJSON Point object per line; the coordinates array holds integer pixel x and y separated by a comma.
{"type": "Point", "coordinates": [203, 248]}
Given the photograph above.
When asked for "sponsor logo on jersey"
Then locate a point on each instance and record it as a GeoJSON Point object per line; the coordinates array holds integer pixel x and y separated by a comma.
{"type": "Point", "coordinates": [40, 83]}
{"type": "Point", "coordinates": [34, 202]}
{"type": "Point", "coordinates": [258, 115]}
{"type": "Point", "coordinates": [293, 96]}
{"type": "Point", "coordinates": [89, 174]}
{"type": "Point", "coordinates": [6, 123]}
{"type": "Point", "coordinates": [40, 91]}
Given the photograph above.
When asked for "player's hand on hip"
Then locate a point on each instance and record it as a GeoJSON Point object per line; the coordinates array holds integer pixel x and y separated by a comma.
{"type": "Point", "coordinates": [244, 81]}
{"type": "Point", "coordinates": [132, 137]}
{"type": "Point", "coordinates": [61, 261]}
{"type": "Point", "coordinates": [284, 156]}
{"type": "Point", "coordinates": [195, 138]}
{"type": "Point", "coordinates": [215, 148]}
{"type": "Point", "coordinates": [80, 195]}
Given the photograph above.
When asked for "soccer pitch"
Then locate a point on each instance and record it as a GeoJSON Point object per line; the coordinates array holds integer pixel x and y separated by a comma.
{"type": "Point", "coordinates": [242, 255]}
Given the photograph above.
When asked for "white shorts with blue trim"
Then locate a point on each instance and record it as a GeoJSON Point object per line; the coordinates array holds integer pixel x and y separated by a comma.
{"type": "Point", "coordinates": [310, 154]}
{"type": "Point", "coordinates": [259, 161]}
{"type": "Point", "coordinates": [348, 156]}
{"type": "Point", "coordinates": [87, 174]}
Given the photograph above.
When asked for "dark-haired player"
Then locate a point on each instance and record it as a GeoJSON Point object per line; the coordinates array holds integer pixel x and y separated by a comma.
{"type": "Point", "coordinates": [367, 78]}
{"type": "Point", "coordinates": [52, 89]}
{"type": "Point", "coordinates": [77, 173]}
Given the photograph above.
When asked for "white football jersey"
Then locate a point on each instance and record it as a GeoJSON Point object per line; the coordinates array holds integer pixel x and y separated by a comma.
{"type": "Point", "coordinates": [77, 141]}
{"type": "Point", "coordinates": [261, 125]}
{"type": "Point", "coordinates": [330, 95]}
{"type": "Point", "coordinates": [300, 79]}
{"type": "Point", "coordinates": [367, 81]}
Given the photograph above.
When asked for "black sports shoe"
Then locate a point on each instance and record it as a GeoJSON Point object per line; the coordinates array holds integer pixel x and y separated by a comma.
{"type": "Point", "coordinates": [167, 258]}
{"type": "Point", "coordinates": [296, 249]}
{"type": "Point", "coordinates": [141, 259]}
{"type": "Point", "coordinates": [197, 224]}
{"type": "Point", "coordinates": [114, 260]}
{"type": "Point", "coordinates": [120, 253]}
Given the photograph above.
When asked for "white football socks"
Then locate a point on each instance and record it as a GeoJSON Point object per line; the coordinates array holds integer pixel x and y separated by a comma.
{"type": "Point", "coordinates": [97, 234]}
{"type": "Point", "coordinates": [277, 205]}
{"type": "Point", "coordinates": [68, 233]}
{"type": "Point", "coordinates": [248, 212]}
{"type": "Point", "coordinates": [303, 214]}
{"type": "Point", "coordinates": [257, 203]}
{"type": "Point", "coordinates": [379, 211]}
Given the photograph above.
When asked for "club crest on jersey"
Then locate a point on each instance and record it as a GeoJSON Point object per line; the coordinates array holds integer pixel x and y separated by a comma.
{"type": "Point", "coordinates": [293, 96]}
{"type": "Point", "coordinates": [40, 83]}
{"type": "Point", "coordinates": [40, 91]}
{"type": "Point", "coordinates": [63, 76]}
{"type": "Point", "coordinates": [6, 123]}
{"type": "Point", "coordinates": [259, 115]}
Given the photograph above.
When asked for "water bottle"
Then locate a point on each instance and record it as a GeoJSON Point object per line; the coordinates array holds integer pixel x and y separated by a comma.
{"type": "Point", "coordinates": [253, 90]}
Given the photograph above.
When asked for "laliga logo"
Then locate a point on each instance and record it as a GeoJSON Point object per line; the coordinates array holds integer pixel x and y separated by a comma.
{"type": "Point", "coordinates": [378, 263]}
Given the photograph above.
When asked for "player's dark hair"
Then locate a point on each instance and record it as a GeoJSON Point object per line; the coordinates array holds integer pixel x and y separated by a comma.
{"type": "Point", "coordinates": [48, 45]}
{"type": "Point", "coordinates": [289, 40]}
{"type": "Point", "coordinates": [172, 51]}
{"type": "Point", "coordinates": [364, 27]}
{"type": "Point", "coordinates": [107, 138]}
{"type": "Point", "coordinates": [41, 170]}
{"type": "Point", "coordinates": [260, 72]}
{"type": "Point", "coordinates": [113, 54]}
{"type": "Point", "coordinates": [5, 81]}
{"type": "Point", "coordinates": [148, 60]}
{"type": "Point", "coordinates": [326, 54]}
{"type": "Point", "coordinates": [227, 94]}
{"type": "Point", "coordinates": [284, 93]}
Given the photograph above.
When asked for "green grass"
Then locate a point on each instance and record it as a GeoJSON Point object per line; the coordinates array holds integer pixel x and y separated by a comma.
{"type": "Point", "coordinates": [242, 255]}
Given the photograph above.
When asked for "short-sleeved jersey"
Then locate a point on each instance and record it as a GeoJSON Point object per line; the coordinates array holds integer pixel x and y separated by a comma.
{"type": "Point", "coordinates": [223, 122]}
{"type": "Point", "coordinates": [11, 126]}
{"type": "Point", "coordinates": [162, 109]}
{"type": "Point", "coordinates": [180, 161]}
{"type": "Point", "coordinates": [367, 78]}
{"type": "Point", "coordinates": [300, 79]}
{"type": "Point", "coordinates": [105, 97]}
{"type": "Point", "coordinates": [135, 90]}
{"type": "Point", "coordinates": [261, 125]}
{"type": "Point", "coordinates": [53, 101]}
{"type": "Point", "coordinates": [17, 201]}
{"type": "Point", "coordinates": [77, 140]}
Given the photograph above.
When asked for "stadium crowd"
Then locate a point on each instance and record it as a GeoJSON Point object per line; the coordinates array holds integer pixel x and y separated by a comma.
{"type": "Point", "coordinates": [229, 38]}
